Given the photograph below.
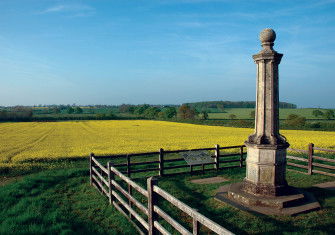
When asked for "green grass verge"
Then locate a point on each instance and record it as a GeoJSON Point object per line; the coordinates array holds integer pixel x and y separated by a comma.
{"type": "Point", "coordinates": [240, 222]}
{"type": "Point", "coordinates": [58, 202]}
{"type": "Point", "coordinates": [62, 201]}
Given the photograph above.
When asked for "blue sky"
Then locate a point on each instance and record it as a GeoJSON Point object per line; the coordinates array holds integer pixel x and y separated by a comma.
{"type": "Point", "coordinates": [161, 51]}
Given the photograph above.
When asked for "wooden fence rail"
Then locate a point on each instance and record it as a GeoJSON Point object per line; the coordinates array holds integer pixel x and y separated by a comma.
{"type": "Point", "coordinates": [146, 222]}
{"type": "Point", "coordinates": [161, 164]}
{"type": "Point", "coordinates": [196, 216]}
{"type": "Point", "coordinates": [146, 218]}
{"type": "Point", "coordinates": [311, 164]}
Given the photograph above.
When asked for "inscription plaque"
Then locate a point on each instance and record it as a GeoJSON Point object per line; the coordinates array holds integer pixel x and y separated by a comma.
{"type": "Point", "coordinates": [198, 157]}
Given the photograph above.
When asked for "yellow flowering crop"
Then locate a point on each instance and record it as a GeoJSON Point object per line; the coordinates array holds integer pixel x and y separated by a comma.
{"type": "Point", "coordinates": [38, 140]}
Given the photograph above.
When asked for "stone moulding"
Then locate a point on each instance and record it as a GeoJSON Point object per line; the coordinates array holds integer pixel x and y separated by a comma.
{"type": "Point", "coordinates": [267, 56]}
{"type": "Point", "coordinates": [266, 142]}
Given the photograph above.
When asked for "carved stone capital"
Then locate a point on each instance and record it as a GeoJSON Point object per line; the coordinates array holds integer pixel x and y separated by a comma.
{"type": "Point", "coordinates": [274, 142]}
{"type": "Point", "coordinates": [268, 55]}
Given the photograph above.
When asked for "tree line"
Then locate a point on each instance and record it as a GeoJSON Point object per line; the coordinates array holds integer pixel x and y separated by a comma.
{"type": "Point", "coordinates": [327, 114]}
{"type": "Point", "coordinates": [158, 112]}
{"type": "Point", "coordinates": [221, 105]}
{"type": "Point", "coordinates": [17, 113]}
{"type": "Point", "coordinates": [128, 111]}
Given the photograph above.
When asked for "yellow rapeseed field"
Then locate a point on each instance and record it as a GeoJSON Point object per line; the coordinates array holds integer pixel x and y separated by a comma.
{"type": "Point", "coordinates": [39, 140]}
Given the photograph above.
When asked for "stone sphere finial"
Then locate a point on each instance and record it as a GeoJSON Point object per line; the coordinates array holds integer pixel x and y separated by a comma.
{"type": "Point", "coordinates": [267, 36]}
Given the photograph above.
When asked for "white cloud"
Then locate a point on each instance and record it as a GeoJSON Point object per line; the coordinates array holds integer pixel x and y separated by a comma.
{"type": "Point", "coordinates": [74, 10]}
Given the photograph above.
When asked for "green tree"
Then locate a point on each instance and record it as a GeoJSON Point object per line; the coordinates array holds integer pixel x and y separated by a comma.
{"type": "Point", "coordinates": [126, 108]}
{"type": "Point", "coordinates": [21, 113]}
{"type": "Point", "coordinates": [317, 113]}
{"type": "Point", "coordinates": [112, 115]}
{"type": "Point", "coordinates": [151, 112]}
{"type": "Point", "coordinates": [70, 110]}
{"type": "Point", "coordinates": [329, 114]}
{"type": "Point", "coordinates": [204, 115]}
{"type": "Point", "coordinates": [295, 120]}
{"type": "Point", "coordinates": [56, 110]}
{"type": "Point", "coordinates": [169, 112]}
{"type": "Point", "coordinates": [3, 115]}
{"type": "Point", "coordinates": [252, 114]}
{"type": "Point", "coordinates": [78, 110]}
{"type": "Point", "coordinates": [232, 116]}
{"type": "Point", "coordinates": [161, 115]}
{"type": "Point", "coordinates": [186, 112]}
{"type": "Point", "coordinates": [131, 109]}
{"type": "Point", "coordinates": [139, 110]}
{"type": "Point", "coordinates": [315, 125]}
{"type": "Point", "coordinates": [100, 116]}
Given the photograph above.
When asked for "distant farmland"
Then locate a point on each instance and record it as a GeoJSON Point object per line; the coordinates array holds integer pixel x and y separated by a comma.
{"type": "Point", "coordinates": [244, 113]}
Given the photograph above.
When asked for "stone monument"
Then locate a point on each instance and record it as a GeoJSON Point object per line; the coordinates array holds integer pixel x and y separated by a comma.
{"type": "Point", "coordinates": [264, 188]}
{"type": "Point", "coordinates": [266, 148]}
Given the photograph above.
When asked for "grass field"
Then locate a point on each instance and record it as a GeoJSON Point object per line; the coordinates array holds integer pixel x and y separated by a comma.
{"type": "Point", "coordinates": [58, 202]}
{"type": "Point", "coordinates": [22, 142]}
{"type": "Point", "coordinates": [244, 113]}
{"type": "Point", "coordinates": [61, 201]}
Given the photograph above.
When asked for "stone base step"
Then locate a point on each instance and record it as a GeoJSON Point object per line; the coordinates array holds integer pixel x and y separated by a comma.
{"type": "Point", "coordinates": [293, 197]}
{"type": "Point", "coordinates": [296, 202]}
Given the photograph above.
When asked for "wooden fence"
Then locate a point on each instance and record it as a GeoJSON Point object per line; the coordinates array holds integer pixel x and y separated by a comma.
{"type": "Point", "coordinates": [162, 161]}
{"type": "Point", "coordinates": [145, 218]}
{"type": "Point", "coordinates": [312, 161]}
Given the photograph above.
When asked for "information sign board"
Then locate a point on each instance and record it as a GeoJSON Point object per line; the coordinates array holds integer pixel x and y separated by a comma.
{"type": "Point", "coordinates": [197, 157]}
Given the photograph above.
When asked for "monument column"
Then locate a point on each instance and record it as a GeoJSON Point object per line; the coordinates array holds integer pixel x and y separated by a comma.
{"type": "Point", "coordinates": [266, 148]}
{"type": "Point", "coordinates": [264, 189]}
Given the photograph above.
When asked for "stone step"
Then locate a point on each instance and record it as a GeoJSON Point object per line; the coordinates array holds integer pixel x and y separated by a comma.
{"type": "Point", "coordinates": [292, 211]}
{"type": "Point", "coordinates": [293, 198]}
{"type": "Point", "coordinates": [298, 201]}
{"type": "Point", "coordinates": [303, 208]}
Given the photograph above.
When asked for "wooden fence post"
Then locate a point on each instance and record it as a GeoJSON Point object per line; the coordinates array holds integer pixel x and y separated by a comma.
{"type": "Point", "coordinates": [241, 156]}
{"type": "Point", "coordinates": [161, 162]}
{"type": "Point", "coordinates": [310, 158]}
{"type": "Point", "coordinates": [91, 155]}
{"type": "Point", "coordinates": [130, 191]}
{"type": "Point", "coordinates": [110, 185]}
{"type": "Point", "coordinates": [217, 157]}
{"type": "Point", "coordinates": [128, 165]}
{"type": "Point", "coordinates": [100, 180]}
{"type": "Point", "coordinates": [152, 200]}
{"type": "Point", "coordinates": [196, 225]}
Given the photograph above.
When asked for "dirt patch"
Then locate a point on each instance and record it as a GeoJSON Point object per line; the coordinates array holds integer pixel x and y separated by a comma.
{"type": "Point", "coordinates": [328, 185]}
{"type": "Point", "coordinates": [211, 180]}
{"type": "Point", "coordinates": [6, 180]}
{"type": "Point", "coordinates": [223, 189]}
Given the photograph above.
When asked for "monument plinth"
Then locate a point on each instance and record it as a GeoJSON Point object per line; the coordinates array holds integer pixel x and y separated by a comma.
{"type": "Point", "coordinates": [265, 186]}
